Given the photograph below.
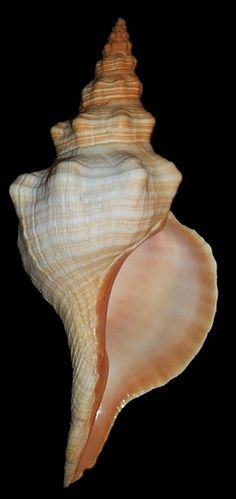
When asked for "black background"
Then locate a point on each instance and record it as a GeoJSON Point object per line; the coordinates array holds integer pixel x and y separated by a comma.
{"type": "Point", "coordinates": [172, 440]}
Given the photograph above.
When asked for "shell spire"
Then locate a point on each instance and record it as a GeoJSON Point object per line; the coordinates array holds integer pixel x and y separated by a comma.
{"type": "Point", "coordinates": [118, 42]}
{"type": "Point", "coordinates": [110, 110]}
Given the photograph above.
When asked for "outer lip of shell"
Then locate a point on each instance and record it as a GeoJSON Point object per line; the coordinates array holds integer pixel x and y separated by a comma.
{"type": "Point", "coordinates": [140, 362]}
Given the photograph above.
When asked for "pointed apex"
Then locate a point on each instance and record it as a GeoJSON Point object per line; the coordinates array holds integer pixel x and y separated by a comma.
{"type": "Point", "coordinates": [121, 21]}
{"type": "Point", "coordinates": [120, 25]}
{"type": "Point", "coordinates": [118, 42]}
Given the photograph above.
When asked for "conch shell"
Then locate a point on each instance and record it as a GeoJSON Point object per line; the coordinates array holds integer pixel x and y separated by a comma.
{"type": "Point", "coordinates": [135, 289]}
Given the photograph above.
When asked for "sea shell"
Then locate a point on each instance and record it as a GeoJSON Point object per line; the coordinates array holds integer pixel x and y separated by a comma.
{"type": "Point", "coordinates": [135, 289]}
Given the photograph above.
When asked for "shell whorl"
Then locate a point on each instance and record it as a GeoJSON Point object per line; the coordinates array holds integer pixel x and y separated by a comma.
{"type": "Point", "coordinates": [111, 110]}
